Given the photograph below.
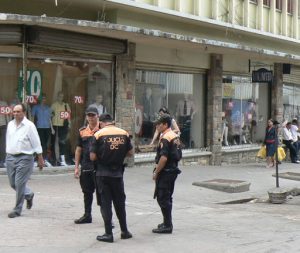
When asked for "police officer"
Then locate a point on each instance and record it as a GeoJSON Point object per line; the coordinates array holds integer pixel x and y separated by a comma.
{"type": "Point", "coordinates": [109, 148]}
{"type": "Point", "coordinates": [82, 157]}
{"type": "Point", "coordinates": [166, 171]}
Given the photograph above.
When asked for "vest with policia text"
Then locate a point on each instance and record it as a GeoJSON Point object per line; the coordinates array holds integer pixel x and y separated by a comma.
{"type": "Point", "coordinates": [111, 144]}
{"type": "Point", "coordinates": [169, 146]}
{"type": "Point", "coordinates": [84, 141]}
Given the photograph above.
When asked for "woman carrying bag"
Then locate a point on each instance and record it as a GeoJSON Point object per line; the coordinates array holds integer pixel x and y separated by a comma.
{"type": "Point", "coordinates": [270, 142]}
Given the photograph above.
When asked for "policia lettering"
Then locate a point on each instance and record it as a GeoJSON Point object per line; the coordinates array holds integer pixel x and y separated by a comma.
{"type": "Point", "coordinates": [115, 142]}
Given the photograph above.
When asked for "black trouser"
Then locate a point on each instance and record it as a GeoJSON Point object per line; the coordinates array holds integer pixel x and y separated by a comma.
{"type": "Point", "coordinates": [291, 147]}
{"type": "Point", "coordinates": [62, 133]}
{"type": "Point", "coordinates": [2, 143]}
{"type": "Point", "coordinates": [87, 183]}
{"type": "Point", "coordinates": [164, 191]}
{"type": "Point", "coordinates": [111, 189]}
{"type": "Point", "coordinates": [44, 134]}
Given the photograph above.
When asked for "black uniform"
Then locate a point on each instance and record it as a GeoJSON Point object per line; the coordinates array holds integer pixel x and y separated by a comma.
{"type": "Point", "coordinates": [111, 144]}
{"type": "Point", "coordinates": [169, 146]}
{"type": "Point", "coordinates": [87, 176]}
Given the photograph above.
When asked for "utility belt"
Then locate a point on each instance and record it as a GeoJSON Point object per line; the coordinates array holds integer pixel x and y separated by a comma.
{"type": "Point", "coordinates": [109, 167]}
{"type": "Point", "coordinates": [171, 170]}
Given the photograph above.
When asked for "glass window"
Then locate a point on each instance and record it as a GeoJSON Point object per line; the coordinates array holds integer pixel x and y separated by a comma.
{"type": "Point", "coordinates": [182, 96]}
{"type": "Point", "coordinates": [290, 6]}
{"type": "Point", "coordinates": [291, 102]}
{"type": "Point", "coordinates": [279, 5]}
{"type": "Point", "coordinates": [266, 3]}
{"type": "Point", "coordinates": [244, 114]}
{"type": "Point", "coordinates": [67, 87]}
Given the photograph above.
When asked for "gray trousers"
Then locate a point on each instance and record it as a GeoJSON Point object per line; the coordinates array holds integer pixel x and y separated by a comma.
{"type": "Point", "coordinates": [19, 169]}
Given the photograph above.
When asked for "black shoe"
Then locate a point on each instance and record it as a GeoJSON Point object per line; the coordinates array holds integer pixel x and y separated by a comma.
{"type": "Point", "coordinates": [13, 214]}
{"type": "Point", "coordinates": [30, 202]}
{"type": "Point", "coordinates": [126, 235]}
{"type": "Point", "coordinates": [163, 229]}
{"type": "Point", "coordinates": [84, 219]}
{"type": "Point", "coordinates": [160, 225]}
{"type": "Point", "coordinates": [105, 238]}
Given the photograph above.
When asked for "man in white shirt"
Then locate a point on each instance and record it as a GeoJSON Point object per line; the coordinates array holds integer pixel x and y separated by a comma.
{"type": "Point", "coordinates": [295, 133]}
{"type": "Point", "coordinates": [288, 141]}
{"type": "Point", "coordinates": [22, 142]}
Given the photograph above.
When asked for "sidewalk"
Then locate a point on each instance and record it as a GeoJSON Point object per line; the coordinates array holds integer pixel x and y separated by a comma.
{"type": "Point", "coordinates": [201, 223]}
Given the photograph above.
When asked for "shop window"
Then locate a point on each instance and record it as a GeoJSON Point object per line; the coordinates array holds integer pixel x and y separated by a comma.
{"type": "Point", "coordinates": [182, 95]}
{"type": "Point", "coordinates": [244, 113]}
{"type": "Point", "coordinates": [291, 102]}
{"type": "Point", "coordinates": [76, 84]}
{"type": "Point", "coordinates": [279, 5]}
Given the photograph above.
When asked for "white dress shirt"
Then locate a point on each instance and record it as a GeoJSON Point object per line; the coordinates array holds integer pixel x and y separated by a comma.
{"type": "Point", "coordinates": [286, 134]}
{"type": "Point", "coordinates": [22, 139]}
{"type": "Point", "coordinates": [294, 131]}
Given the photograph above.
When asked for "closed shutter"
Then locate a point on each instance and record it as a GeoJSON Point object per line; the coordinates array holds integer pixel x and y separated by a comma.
{"type": "Point", "coordinates": [40, 38]}
{"type": "Point", "coordinates": [294, 77]}
{"type": "Point", "coordinates": [10, 34]}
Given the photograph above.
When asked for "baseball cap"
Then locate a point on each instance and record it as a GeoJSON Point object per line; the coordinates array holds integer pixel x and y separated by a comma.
{"type": "Point", "coordinates": [165, 118]}
{"type": "Point", "coordinates": [105, 117]}
{"type": "Point", "coordinates": [92, 110]}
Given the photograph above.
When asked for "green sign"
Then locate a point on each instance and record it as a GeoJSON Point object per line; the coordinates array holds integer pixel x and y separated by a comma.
{"type": "Point", "coordinates": [33, 86]}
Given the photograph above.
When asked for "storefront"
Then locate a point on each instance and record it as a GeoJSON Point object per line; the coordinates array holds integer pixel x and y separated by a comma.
{"type": "Point", "coordinates": [72, 69]}
{"type": "Point", "coordinates": [181, 94]}
{"type": "Point", "coordinates": [245, 110]}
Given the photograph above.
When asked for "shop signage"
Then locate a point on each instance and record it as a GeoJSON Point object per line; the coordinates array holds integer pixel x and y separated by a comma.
{"type": "Point", "coordinates": [33, 87]}
{"type": "Point", "coordinates": [262, 75]}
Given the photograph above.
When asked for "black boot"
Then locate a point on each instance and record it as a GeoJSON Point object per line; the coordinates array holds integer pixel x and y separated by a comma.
{"type": "Point", "coordinates": [105, 238]}
{"type": "Point", "coordinates": [163, 229]}
{"type": "Point", "coordinates": [84, 219]}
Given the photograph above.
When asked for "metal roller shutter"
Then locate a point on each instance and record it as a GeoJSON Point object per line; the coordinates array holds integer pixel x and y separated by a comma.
{"type": "Point", "coordinates": [10, 34]}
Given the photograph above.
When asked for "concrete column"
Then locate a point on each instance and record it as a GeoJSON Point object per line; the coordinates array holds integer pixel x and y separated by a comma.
{"type": "Point", "coordinates": [197, 7]}
{"type": "Point", "coordinates": [284, 18]}
{"type": "Point", "coordinates": [295, 18]}
{"type": "Point", "coordinates": [177, 5]}
{"type": "Point", "coordinates": [215, 9]}
{"type": "Point", "coordinates": [231, 11]}
{"type": "Point", "coordinates": [260, 15]}
{"type": "Point", "coordinates": [125, 91]}
{"type": "Point", "coordinates": [277, 93]}
{"type": "Point", "coordinates": [272, 16]}
{"type": "Point", "coordinates": [214, 108]}
{"type": "Point", "coordinates": [246, 13]}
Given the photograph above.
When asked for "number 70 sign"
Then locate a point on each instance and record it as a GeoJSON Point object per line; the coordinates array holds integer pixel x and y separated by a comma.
{"type": "Point", "coordinates": [78, 99]}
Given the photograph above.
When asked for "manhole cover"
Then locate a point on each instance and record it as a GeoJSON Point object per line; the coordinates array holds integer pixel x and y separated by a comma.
{"type": "Point", "coordinates": [225, 185]}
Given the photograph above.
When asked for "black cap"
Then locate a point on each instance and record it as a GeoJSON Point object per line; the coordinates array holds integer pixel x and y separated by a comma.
{"type": "Point", "coordinates": [105, 117]}
{"type": "Point", "coordinates": [91, 109]}
{"type": "Point", "coordinates": [164, 119]}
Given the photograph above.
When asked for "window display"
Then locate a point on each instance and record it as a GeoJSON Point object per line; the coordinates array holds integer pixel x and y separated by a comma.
{"type": "Point", "coordinates": [176, 93]}
{"type": "Point", "coordinates": [291, 102]}
{"type": "Point", "coordinates": [244, 114]}
{"type": "Point", "coordinates": [69, 86]}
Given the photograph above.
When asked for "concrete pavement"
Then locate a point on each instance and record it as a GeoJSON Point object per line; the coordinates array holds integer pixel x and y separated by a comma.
{"type": "Point", "coordinates": [201, 223]}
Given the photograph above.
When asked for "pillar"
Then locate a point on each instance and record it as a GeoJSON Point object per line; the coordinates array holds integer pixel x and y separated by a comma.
{"type": "Point", "coordinates": [214, 108]}
{"type": "Point", "coordinates": [125, 91]}
{"type": "Point", "coordinates": [277, 93]}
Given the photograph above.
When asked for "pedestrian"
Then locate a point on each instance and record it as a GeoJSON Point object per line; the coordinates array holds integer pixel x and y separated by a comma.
{"type": "Point", "coordinates": [288, 141]}
{"type": "Point", "coordinates": [84, 167]}
{"type": "Point", "coordinates": [109, 148]}
{"type": "Point", "coordinates": [22, 142]}
{"type": "Point", "coordinates": [270, 142]}
{"type": "Point", "coordinates": [174, 125]}
{"type": "Point", "coordinates": [295, 132]}
{"type": "Point", "coordinates": [166, 171]}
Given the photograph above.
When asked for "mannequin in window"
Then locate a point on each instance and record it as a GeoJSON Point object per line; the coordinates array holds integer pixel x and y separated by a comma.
{"type": "Point", "coordinates": [3, 124]}
{"type": "Point", "coordinates": [99, 104]}
{"type": "Point", "coordinates": [61, 122]}
{"type": "Point", "coordinates": [148, 114]}
{"type": "Point", "coordinates": [185, 112]}
{"type": "Point", "coordinates": [224, 130]}
{"type": "Point", "coordinates": [250, 122]}
{"type": "Point", "coordinates": [174, 125]}
{"type": "Point", "coordinates": [42, 114]}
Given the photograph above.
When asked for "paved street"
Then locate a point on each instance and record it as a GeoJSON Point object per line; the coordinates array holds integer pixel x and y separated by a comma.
{"type": "Point", "coordinates": [201, 223]}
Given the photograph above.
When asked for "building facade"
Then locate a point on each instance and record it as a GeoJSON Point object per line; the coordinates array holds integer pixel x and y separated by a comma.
{"type": "Point", "coordinates": [220, 67]}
